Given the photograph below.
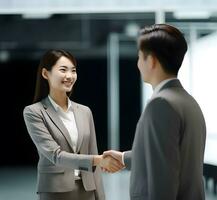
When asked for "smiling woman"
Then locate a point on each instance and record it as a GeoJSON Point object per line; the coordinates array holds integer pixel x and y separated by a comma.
{"type": "Point", "coordinates": [64, 134]}
{"type": "Point", "coordinates": [51, 62]}
{"type": "Point", "coordinates": [61, 79]}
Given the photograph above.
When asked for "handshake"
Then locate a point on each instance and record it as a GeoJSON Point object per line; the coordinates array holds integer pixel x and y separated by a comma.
{"type": "Point", "coordinates": [109, 161]}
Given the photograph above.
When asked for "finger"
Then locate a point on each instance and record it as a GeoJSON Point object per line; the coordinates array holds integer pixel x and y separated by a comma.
{"type": "Point", "coordinates": [105, 170]}
{"type": "Point", "coordinates": [108, 170]}
{"type": "Point", "coordinates": [114, 166]}
{"type": "Point", "coordinates": [107, 153]}
{"type": "Point", "coordinates": [117, 168]}
{"type": "Point", "coordinates": [111, 153]}
{"type": "Point", "coordinates": [113, 169]}
{"type": "Point", "coordinates": [114, 155]}
{"type": "Point", "coordinates": [116, 163]}
{"type": "Point", "coordinates": [109, 166]}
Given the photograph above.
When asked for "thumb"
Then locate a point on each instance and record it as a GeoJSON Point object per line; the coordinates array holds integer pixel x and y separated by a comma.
{"type": "Point", "coordinates": [107, 153]}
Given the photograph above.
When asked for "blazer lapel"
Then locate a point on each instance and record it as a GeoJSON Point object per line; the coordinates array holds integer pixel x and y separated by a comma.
{"type": "Point", "coordinates": [56, 120]}
{"type": "Point", "coordinates": [78, 119]}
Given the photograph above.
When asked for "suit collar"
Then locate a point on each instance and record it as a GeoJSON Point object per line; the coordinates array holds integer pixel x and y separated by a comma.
{"type": "Point", "coordinates": [171, 83]}
{"type": "Point", "coordinates": [56, 106]}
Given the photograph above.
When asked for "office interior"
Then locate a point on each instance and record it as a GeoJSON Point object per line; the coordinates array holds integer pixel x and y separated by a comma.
{"type": "Point", "coordinates": [102, 37]}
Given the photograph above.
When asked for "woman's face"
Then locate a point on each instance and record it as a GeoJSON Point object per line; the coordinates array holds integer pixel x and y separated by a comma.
{"type": "Point", "coordinates": [62, 76]}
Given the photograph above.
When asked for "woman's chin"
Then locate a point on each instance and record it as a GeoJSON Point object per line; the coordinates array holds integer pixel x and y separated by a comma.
{"type": "Point", "coordinates": [68, 89]}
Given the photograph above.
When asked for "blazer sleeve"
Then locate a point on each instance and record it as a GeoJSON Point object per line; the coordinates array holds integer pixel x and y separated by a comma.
{"type": "Point", "coordinates": [127, 159]}
{"type": "Point", "coordinates": [99, 193]}
{"type": "Point", "coordinates": [161, 125]}
{"type": "Point", "coordinates": [47, 146]}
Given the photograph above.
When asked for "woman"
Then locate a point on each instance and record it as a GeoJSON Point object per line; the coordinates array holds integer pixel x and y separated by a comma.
{"type": "Point", "coordinates": [64, 134]}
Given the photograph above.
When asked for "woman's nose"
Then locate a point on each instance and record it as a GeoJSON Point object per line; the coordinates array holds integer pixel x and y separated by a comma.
{"type": "Point", "coordinates": [69, 74]}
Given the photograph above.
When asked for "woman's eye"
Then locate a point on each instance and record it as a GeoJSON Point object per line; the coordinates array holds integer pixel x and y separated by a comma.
{"type": "Point", "coordinates": [62, 70]}
{"type": "Point", "coordinates": [74, 70]}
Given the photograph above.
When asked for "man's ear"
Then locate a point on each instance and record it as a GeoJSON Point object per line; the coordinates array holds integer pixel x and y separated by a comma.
{"type": "Point", "coordinates": [151, 59]}
{"type": "Point", "coordinates": [44, 73]}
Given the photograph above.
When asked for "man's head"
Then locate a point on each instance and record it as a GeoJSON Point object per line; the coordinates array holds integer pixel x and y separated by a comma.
{"type": "Point", "coordinates": [164, 43]}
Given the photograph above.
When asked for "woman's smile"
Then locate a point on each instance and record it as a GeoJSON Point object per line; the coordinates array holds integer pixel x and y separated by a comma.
{"type": "Point", "coordinates": [68, 83]}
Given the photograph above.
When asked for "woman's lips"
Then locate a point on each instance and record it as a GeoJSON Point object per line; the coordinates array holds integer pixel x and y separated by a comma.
{"type": "Point", "coordinates": [67, 83]}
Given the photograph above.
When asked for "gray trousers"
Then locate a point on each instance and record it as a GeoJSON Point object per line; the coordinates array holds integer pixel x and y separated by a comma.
{"type": "Point", "coordinates": [78, 193]}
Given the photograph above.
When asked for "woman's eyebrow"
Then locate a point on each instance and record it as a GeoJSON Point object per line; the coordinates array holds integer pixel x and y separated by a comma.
{"type": "Point", "coordinates": [73, 67]}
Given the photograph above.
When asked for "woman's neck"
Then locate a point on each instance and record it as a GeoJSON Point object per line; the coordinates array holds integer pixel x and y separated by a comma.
{"type": "Point", "coordinates": [60, 99]}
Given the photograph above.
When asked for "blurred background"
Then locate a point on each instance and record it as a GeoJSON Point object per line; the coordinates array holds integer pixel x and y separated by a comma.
{"type": "Point", "coordinates": [102, 37]}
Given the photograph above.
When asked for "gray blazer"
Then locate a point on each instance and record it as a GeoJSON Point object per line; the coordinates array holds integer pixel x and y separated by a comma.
{"type": "Point", "coordinates": [166, 160]}
{"type": "Point", "coordinates": [57, 160]}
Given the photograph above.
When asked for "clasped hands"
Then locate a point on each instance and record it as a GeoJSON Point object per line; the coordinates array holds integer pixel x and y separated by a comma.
{"type": "Point", "coordinates": [110, 161]}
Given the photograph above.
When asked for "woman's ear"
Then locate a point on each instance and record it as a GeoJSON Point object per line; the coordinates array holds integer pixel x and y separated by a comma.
{"type": "Point", "coordinates": [44, 73]}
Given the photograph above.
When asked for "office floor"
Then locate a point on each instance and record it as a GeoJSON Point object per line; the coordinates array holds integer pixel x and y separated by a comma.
{"type": "Point", "coordinates": [19, 184]}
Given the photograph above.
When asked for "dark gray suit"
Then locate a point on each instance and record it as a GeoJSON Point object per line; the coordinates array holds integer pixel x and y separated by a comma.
{"type": "Point", "coordinates": [57, 160]}
{"type": "Point", "coordinates": [166, 160]}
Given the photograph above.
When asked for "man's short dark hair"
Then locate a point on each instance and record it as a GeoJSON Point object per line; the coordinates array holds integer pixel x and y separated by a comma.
{"type": "Point", "coordinates": [165, 42]}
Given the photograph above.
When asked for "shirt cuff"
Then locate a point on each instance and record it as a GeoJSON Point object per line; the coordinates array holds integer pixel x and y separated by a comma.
{"type": "Point", "coordinates": [123, 158]}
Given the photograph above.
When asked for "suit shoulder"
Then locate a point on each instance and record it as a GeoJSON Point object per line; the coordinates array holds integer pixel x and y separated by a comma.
{"type": "Point", "coordinates": [158, 101]}
{"type": "Point", "coordinates": [160, 104]}
{"type": "Point", "coordinates": [81, 106]}
{"type": "Point", "coordinates": [32, 108]}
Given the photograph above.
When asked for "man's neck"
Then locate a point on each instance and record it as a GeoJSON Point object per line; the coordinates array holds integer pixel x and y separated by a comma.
{"type": "Point", "coordinates": [159, 79]}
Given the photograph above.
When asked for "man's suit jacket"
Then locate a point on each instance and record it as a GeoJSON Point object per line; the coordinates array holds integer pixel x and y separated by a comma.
{"type": "Point", "coordinates": [166, 160]}
{"type": "Point", "coordinates": [57, 160]}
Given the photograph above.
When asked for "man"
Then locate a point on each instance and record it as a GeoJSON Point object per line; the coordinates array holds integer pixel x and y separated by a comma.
{"type": "Point", "coordinates": [166, 160]}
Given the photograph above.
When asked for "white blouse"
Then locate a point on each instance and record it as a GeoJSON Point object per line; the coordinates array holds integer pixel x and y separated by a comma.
{"type": "Point", "coordinates": [68, 120]}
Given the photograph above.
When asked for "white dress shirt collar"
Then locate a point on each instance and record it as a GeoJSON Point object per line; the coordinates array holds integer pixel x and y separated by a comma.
{"type": "Point", "coordinates": [56, 106]}
{"type": "Point", "coordinates": [161, 84]}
